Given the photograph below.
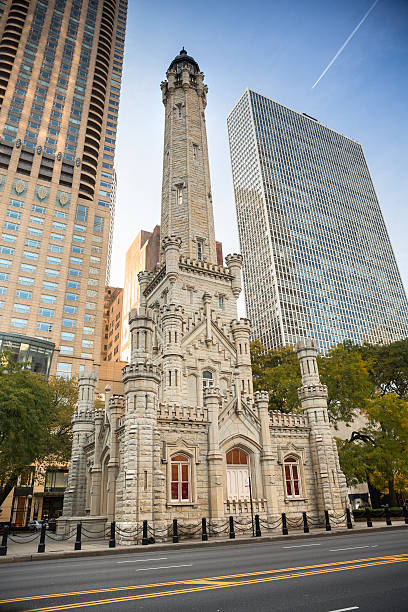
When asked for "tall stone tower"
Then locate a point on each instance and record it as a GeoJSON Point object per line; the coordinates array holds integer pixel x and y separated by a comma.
{"type": "Point", "coordinates": [186, 192]}
{"type": "Point", "coordinates": [189, 431]}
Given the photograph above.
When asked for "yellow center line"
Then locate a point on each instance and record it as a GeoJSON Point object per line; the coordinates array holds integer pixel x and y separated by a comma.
{"type": "Point", "coordinates": [402, 557]}
{"type": "Point", "coordinates": [218, 585]}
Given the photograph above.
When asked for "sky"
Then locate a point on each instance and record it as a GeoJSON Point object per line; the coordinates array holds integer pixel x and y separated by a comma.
{"type": "Point", "coordinates": [278, 48]}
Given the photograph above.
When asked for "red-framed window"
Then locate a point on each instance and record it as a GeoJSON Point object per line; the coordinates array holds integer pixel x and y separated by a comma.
{"type": "Point", "coordinates": [180, 478]}
{"type": "Point", "coordinates": [292, 476]}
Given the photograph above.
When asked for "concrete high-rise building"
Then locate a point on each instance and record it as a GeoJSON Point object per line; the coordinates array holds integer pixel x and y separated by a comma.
{"type": "Point", "coordinates": [60, 80]}
{"type": "Point", "coordinates": [318, 261]}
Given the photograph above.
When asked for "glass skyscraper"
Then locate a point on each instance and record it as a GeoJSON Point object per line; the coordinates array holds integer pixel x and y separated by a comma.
{"type": "Point", "coordinates": [318, 261]}
{"type": "Point", "coordinates": [60, 80]}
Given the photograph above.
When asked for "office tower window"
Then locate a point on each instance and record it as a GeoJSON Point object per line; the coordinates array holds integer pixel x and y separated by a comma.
{"type": "Point", "coordinates": [318, 261]}
{"type": "Point", "coordinates": [66, 91]}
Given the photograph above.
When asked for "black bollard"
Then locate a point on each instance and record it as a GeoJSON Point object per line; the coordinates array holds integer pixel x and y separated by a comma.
{"type": "Point", "coordinates": [305, 523]}
{"type": "Point", "coordinates": [204, 534]}
{"type": "Point", "coordinates": [78, 537]}
{"type": "Point", "coordinates": [231, 528]}
{"type": "Point", "coordinates": [112, 539]}
{"type": "Point", "coordinates": [387, 516]}
{"type": "Point", "coordinates": [368, 517]}
{"type": "Point", "coordinates": [145, 540]}
{"type": "Point", "coordinates": [257, 526]}
{"type": "Point", "coordinates": [327, 520]}
{"type": "Point", "coordinates": [3, 547]}
{"type": "Point", "coordinates": [405, 513]}
{"type": "Point", "coordinates": [175, 532]}
{"type": "Point", "coordinates": [349, 521]}
{"type": "Point", "coordinates": [41, 543]}
{"type": "Point", "coordinates": [284, 524]}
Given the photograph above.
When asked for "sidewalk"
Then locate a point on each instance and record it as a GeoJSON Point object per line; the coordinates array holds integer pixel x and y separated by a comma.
{"type": "Point", "coordinates": [54, 549]}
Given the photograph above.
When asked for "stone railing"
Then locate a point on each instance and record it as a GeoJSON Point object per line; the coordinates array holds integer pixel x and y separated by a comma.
{"type": "Point", "coordinates": [283, 419]}
{"type": "Point", "coordinates": [182, 413]}
{"type": "Point", "coordinates": [243, 506]}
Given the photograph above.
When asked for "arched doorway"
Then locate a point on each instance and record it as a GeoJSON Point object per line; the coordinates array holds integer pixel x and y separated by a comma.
{"type": "Point", "coordinates": [237, 474]}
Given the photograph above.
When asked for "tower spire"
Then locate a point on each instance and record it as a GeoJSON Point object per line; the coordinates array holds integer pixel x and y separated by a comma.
{"type": "Point", "coordinates": [186, 191]}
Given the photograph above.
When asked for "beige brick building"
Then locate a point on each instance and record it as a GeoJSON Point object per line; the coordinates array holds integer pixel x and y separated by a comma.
{"type": "Point", "coordinates": [187, 432]}
{"type": "Point", "coordinates": [59, 98]}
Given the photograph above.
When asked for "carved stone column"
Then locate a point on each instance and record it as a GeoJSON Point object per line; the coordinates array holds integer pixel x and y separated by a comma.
{"type": "Point", "coordinates": [268, 463]}
{"type": "Point", "coordinates": [96, 470]}
{"type": "Point", "coordinates": [216, 466]}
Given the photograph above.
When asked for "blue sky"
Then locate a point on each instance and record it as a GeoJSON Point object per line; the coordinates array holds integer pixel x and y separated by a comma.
{"type": "Point", "coordinates": [279, 49]}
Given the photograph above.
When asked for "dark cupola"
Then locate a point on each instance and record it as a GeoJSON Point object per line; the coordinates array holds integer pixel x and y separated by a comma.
{"type": "Point", "coordinates": [183, 59]}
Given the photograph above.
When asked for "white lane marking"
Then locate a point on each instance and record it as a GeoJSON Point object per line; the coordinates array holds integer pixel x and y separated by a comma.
{"type": "Point", "coordinates": [300, 545]}
{"type": "Point", "coordinates": [144, 569]}
{"type": "Point", "coordinates": [345, 609]}
{"type": "Point", "coordinates": [353, 548]}
{"type": "Point", "coordinates": [143, 560]}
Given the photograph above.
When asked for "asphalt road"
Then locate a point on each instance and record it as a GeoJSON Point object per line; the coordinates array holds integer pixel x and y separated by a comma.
{"type": "Point", "coordinates": [365, 572]}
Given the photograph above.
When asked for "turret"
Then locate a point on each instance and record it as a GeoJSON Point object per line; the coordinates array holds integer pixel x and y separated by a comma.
{"type": "Point", "coordinates": [234, 263]}
{"type": "Point", "coordinates": [330, 491]}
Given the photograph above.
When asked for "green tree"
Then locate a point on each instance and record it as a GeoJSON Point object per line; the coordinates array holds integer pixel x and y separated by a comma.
{"type": "Point", "coordinates": [378, 452]}
{"type": "Point", "coordinates": [278, 372]}
{"type": "Point", "coordinates": [346, 374]}
{"type": "Point", "coordinates": [34, 421]}
{"type": "Point", "coordinates": [388, 366]}
{"type": "Point", "coordinates": [343, 370]}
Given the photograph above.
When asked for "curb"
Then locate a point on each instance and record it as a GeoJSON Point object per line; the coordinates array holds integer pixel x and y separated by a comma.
{"type": "Point", "coordinates": [193, 544]}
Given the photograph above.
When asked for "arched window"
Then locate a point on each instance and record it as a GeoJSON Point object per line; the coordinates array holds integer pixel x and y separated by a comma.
{"type": "Point", "coordinates": [292, 476]}
{"type": "Point", "coordinates": [180, 478]}
{"type": "Point", "coordinates": [237, 474]}
{"type": "Point", "coordinates": [208, 380]}
{"type": "Point", "coordinates": [236, 456]}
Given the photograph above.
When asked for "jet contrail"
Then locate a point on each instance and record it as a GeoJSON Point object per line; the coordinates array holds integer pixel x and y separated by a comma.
{"type": "Point", "coordinates": [345, 43]}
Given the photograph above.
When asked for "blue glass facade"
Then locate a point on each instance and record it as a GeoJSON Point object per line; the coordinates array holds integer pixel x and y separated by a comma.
{"type": "Point", "coordinates": [318, 261]}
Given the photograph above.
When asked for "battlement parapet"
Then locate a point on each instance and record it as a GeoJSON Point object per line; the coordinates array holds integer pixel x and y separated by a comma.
{"type": "Point", "coordinates": [142, 369]}
{"type": "Point", "coordinates": [203, 267]}
{"type": "Point", "coordinates": [172, 310]}
{"type": "Point", "coordinates": [182, 413]}
{"type": "Point", "coordinates": [306, 343]}
{"type": "Point", "coordinates": [116, 401]}
{"type": "Point", "coordinates": [244, 324]}
{"type": "Point", "coordinates": [82, 416]}
{"type": "Point", "coordinates": [171, 241]}
{"type": "Point", "coordinates": [284, 419]}
{"type": "Point", "coordinates": [233, 259]}
{"type": "Point", "coordinates": [317, 391]}
{"type": "Point", "coordinates": [261, 396]}
{"type": "Point", "coordinates": [87, 378]}
{"type": "Point", "coordinates": [210, 392]}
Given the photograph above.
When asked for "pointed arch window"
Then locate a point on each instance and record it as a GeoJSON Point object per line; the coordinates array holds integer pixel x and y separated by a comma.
{"type": "Point", "coordinates": [237, 474]}
{"type": "Point", "coordinates": [180, 478]}
{"type": "Point", "coordinates": [292, 476]}
{"type": "Point", "coordinates": [208, 380]}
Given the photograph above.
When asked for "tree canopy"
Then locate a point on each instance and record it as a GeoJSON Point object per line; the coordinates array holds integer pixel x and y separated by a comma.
{"type": "Point", "coordinates": [343, 370]}
{"type": "Point", "coordinates": [368, 380]}
{"type": "Point", "coordinates": [35, 421]}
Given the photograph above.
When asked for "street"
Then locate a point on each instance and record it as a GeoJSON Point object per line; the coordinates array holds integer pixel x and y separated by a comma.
{"type": "Point", "coordinates": [326, 574]}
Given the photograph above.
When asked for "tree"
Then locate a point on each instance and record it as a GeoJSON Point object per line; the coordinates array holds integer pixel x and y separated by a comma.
{"type": "Point", "coordinates": [378, 452]}
{"type": "Point", "coordinates": [278, 372]}
{"type": "Point", "coordinates": [347, 377]}
{"type": "Point", "coordinates": [343, 370]}
{"type": "Point", "coordinates": [34, 421]}
{"type": "Point", "coordinates": [388, 366]}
